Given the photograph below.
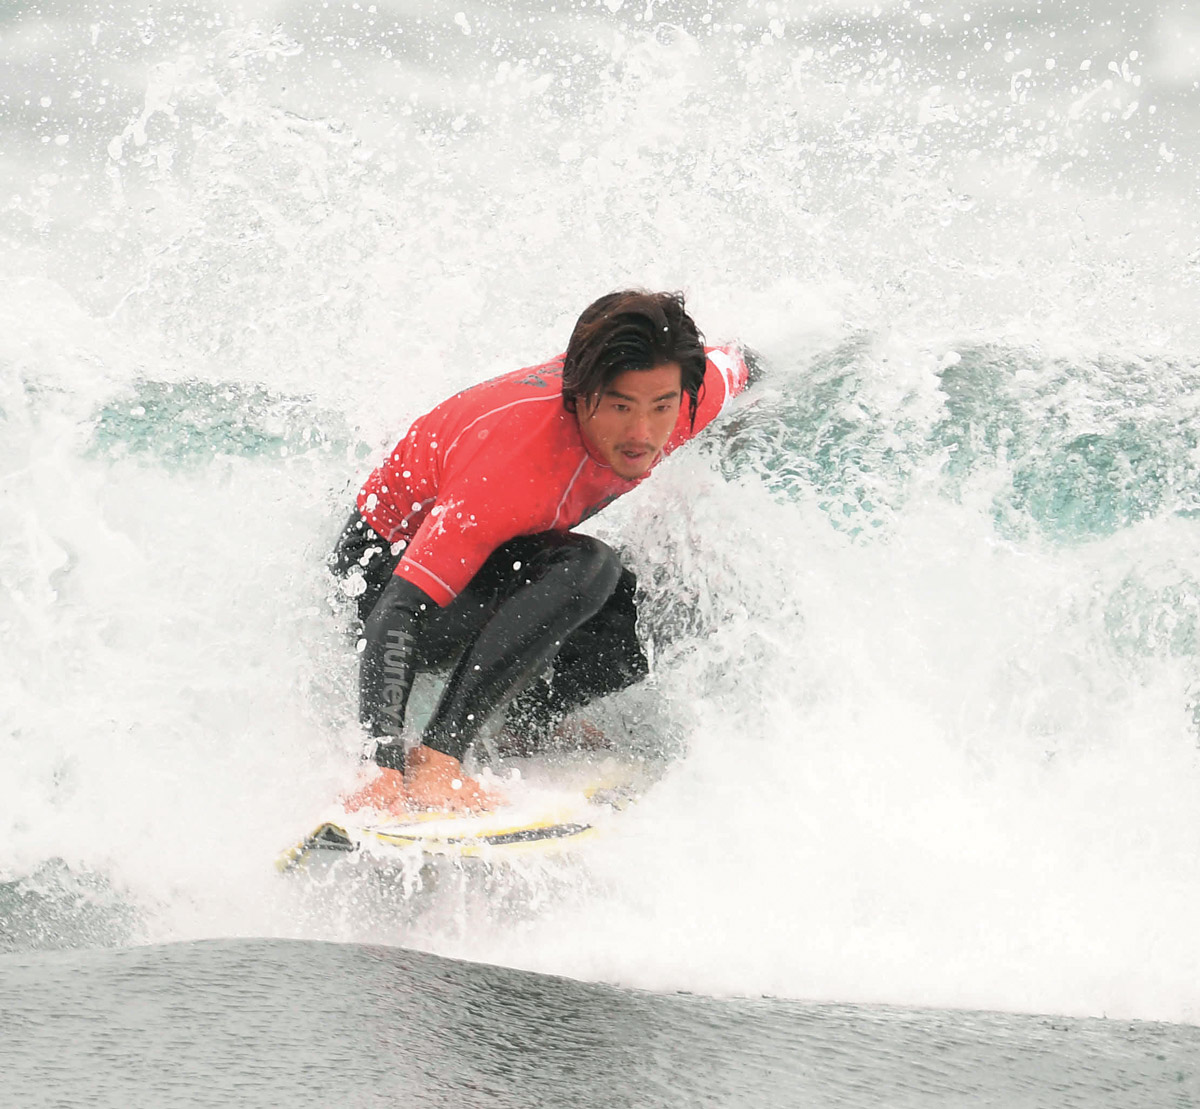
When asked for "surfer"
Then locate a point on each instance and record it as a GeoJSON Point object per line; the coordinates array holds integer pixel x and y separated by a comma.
{"type": "Point", "coordinates": [460, 551]}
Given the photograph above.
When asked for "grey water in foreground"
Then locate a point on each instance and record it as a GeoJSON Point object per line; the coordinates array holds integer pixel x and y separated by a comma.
{"type": "Point", "coordinates": [299, 1023]}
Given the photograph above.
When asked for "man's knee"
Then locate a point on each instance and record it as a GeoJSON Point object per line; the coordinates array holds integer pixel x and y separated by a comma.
{"type": "Point", "coordinates": [588, 567]}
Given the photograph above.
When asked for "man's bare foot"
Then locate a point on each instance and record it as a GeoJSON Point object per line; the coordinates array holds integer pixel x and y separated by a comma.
{"type": "Point", "coordinates": [433, 780]}
{"type": "Point", "coordinates": [385, 791]}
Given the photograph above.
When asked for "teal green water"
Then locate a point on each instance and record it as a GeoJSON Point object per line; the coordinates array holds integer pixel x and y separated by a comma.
{"type": "Point", "coordinates": [1068, 450]}
{"type": "Point", "coordinates": [187, 423]}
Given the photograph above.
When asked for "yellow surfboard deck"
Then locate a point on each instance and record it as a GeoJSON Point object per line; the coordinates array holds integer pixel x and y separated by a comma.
{"type": "Point", "coordinates": [538, 820]}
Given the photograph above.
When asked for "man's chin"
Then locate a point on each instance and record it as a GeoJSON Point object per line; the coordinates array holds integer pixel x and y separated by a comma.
{"type": "Point", "coordinates": [629, 468]}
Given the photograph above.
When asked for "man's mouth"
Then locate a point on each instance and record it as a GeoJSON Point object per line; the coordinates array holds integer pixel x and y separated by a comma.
{"type": "Point", "coordinates": [636, 456]}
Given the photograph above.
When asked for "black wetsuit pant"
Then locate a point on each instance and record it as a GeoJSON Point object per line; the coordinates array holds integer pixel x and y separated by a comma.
{"type": "Point", "coordinates": [556, 597]}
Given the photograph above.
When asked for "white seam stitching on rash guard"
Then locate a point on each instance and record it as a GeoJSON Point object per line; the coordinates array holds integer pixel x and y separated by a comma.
{"type": "Point", "coordinates": [511, 403]}
{"type": "Point", "coordinates": [404, 523]}
{"type": "Point", "coordinates": [566, 492]}
{"type": "Point", "coordinates": [416, 565]}
{"type": "Point", "coordinates": [727, 376]}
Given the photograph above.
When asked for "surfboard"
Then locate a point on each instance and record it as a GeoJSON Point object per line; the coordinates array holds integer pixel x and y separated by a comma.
{"type": "Point", "coordinates": [543, 818]}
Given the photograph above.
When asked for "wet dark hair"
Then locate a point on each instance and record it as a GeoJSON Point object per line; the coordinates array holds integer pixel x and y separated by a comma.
{"type": "Point", "coordinates": [632, 330]}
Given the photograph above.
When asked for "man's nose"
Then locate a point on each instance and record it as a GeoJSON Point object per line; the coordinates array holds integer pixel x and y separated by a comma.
{"type": "Point", "coordinates": [639, 427]}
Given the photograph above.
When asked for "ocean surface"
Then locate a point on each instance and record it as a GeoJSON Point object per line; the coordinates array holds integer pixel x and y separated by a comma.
{"type": "Point", "coordinates": [924, 610]}
{"type": "Point", "coordinates": [271, 1022]}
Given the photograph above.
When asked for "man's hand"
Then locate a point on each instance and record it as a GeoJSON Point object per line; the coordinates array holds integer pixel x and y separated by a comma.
{"type": "Point", "coordinates": [386, 792]}
{"type": "Point", "coordinates": [436, 781]}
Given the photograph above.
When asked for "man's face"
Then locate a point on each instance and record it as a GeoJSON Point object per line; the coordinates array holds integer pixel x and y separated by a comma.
{"type": "Point", "coordinates": [630, 422]}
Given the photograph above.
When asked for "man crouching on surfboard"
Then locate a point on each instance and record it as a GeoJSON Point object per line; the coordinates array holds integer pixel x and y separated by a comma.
{"type": "Point", "coordinates": [461, 546]}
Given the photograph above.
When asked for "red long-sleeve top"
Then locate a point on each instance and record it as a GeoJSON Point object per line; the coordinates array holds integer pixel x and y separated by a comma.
{"type": "Point", "coordinates": [503, 459]}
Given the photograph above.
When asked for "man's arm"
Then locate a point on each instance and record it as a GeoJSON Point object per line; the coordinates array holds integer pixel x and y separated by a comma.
{"type": "Point", "coordinates": [450, 546]}
{"type": "Point", "coordinates": [726, 375]}
{"type": "Point", "coordinates": [388, 666]}
{"type": "Point", "coordinates": [425, 777]}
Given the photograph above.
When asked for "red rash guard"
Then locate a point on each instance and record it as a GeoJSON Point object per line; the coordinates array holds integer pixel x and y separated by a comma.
{"type": "Point", "coordinates": [502, 459]}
